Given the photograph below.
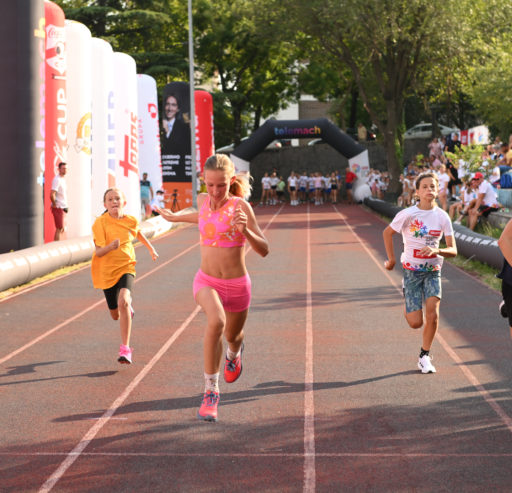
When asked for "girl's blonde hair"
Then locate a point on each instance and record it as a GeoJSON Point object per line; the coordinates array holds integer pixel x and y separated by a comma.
{"type": "Point", "coordinates": [426, 174]}
{"type": "Point", "coordinates": [241, 187]}
{"type": "Point", "coordinates": [113, 189]}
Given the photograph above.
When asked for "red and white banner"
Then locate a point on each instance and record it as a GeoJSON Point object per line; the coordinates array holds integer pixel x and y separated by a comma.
{"type": "Point", "coordinates": [78, 178]}
{"type": "Point", "coordinates": [126, 128]}
{"type": "Point", "coordinates": [205, 146]}
{"type": "Point", "coordinates": [55, 105]}
{"type": "Point", "coordinates": [150, 161]}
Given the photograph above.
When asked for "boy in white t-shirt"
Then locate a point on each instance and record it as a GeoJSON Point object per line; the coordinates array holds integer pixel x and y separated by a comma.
{"type": "Point", "coordinates": [422, 227]}
{"type": "Point", "coordinates": [486, 202]}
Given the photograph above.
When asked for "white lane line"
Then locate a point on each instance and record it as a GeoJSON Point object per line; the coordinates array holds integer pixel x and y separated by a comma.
{"type": "Point", "coordinates": [88, 309]}
{"type": "Point", "coordinates": [446, 346]}
{"type": "Point", "coordinates": [107, 415]}
{"type": "Point", "coordinates": [93, 431]}
{"type": "Point", "coordinates": [309, 403]}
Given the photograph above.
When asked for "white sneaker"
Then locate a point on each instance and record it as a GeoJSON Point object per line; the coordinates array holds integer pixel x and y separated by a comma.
{"type": "Point", "coordinates": [425, 364]}
{"type": "Point", "coordinates": [503, 309]}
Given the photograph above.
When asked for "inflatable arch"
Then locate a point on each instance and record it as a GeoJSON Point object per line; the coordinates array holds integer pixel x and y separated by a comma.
{"type": "Point", "coordinates": [320, 128]}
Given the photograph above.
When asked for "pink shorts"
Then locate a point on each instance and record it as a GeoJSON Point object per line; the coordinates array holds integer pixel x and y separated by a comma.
{"type": "Point", "coordinates": [235, 294]}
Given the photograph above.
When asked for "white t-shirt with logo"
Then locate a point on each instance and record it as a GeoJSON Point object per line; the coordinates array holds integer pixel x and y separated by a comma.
{"type": "Point", "coordinates": [60, 187]}
{"type": "Point", "coordinates": [265, 181]}
{"type": "Point", "coordinates": [444, 179]}
{"type": "Point", "coordinates": [421, 228]}
{"type": "Point", "coordinates": [490, 196]}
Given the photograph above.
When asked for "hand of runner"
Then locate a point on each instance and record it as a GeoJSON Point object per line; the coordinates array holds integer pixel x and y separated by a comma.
{"type": "Point", "coordinates": [389, 264]}
{"type": "Point", "coordinates": [166, 214]}
{"type": "Point", "coordinates": [240, 219]}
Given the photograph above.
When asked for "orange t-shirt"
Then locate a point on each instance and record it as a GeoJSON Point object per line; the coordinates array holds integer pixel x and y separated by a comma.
{"type": "Point", "coordinates": [107, 270]}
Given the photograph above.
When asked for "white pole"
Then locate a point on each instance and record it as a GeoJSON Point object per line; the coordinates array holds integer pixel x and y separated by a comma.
{"type": "Point", "coordinates": [192, 106]}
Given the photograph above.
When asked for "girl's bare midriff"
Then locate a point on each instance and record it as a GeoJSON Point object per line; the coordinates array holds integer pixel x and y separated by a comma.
{"type": "Point", "coordinates": [223, 263]}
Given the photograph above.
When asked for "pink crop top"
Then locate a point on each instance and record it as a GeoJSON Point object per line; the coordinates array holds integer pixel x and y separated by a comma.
{"type": "Point", "coordinates": [216, 228]}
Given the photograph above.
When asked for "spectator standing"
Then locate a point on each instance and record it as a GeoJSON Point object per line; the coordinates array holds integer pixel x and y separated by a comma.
{"type": "Point", "coordinates": [443, 179]}
{"type": "Point", "coordinates": [265, 189]}
{"type": "Point", "coordinates": [293, 185]}
{"type": "Point", "coordinates": [350, 178]}
{"type": "Point", "coordinates": [435, 148]}
{"type": "Point", "coordinates": [146, 196]}
{"type": "Point", "coordinates": [59, 202]}
{"type": "Point", "coordinates": [362, 133]}
{"type": "Point", "coordinates": [274, 180]}
{"type": "Point", "coordinates": [334, 187]}
{"type": "Point", "coordinates": [303, 187]}
{"type": "Point", "coordinates": [280, 190]}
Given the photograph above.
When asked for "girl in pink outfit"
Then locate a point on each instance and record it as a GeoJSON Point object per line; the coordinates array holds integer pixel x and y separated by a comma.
{"type": "Point", "coordinates": [222, 286]}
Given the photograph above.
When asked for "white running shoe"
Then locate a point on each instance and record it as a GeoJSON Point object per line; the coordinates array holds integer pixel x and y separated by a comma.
{"type": "Point", "coordinates": [503, 309]}
{"type": "Point", "coordinates": [425, 364]}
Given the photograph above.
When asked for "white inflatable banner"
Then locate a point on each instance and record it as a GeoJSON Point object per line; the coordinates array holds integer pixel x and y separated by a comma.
{"type": "Point", "coordinates": [150, 161]}
{"type": "Point", "coordinates": [78, 179]}
{"type": "Point", "coordinates": [103, 134]}
{"type": "Point", "coordinates": [126, 129]}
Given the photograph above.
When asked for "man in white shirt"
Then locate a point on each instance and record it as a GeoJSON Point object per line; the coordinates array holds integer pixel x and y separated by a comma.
{"type": "Point", "coordinates": [59, 199]}
{"type": "Point", "coordinates": [486, 202]}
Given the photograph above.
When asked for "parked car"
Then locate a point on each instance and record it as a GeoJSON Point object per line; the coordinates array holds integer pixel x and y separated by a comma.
{"type": "Point", "coordinates": [424, 130]}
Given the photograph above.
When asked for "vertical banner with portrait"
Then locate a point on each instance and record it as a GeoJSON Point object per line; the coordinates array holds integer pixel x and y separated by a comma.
{"type": "Point", "coordinates": [175, 145]}
{"type": "Point", "coordinates": [205, 145]}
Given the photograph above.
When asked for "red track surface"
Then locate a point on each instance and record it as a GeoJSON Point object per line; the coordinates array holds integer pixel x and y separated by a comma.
{"type": "Point", "coordinates": [330, 398]}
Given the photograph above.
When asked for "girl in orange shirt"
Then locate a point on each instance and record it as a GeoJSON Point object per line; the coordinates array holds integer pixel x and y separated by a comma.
{"type": "Point", "coordinates": [113, 263]}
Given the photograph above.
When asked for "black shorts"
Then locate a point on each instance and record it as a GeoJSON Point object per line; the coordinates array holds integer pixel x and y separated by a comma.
{"type": "Point", "coordinates": [506, 292]}
{"type": "Point", "coordinates": [273, 187]}
{"type": "Point", "coordinates": [334, 187]}
{"type": "Point", "coordinates": [292, 189]}
{"type": "Point", "coordinates": [485, 210]}
{"type": "Point", "coordinates": [112, 294]}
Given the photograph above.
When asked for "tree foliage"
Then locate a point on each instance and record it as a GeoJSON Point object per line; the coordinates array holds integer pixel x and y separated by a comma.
{"type": "Point", "coordinates": [391, 48]}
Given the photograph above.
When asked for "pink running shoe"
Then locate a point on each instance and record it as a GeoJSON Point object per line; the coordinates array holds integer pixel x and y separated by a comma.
{"type": "Point", "coordinates": [125, 355]}
{"type": "Point", "coordinates": [208, 409]}
{"type": "Point", "coordinates": [233, 369]}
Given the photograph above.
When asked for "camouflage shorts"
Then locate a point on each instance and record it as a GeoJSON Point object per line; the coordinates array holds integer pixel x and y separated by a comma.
{"type": "Point", "coordinates": [418, 286]}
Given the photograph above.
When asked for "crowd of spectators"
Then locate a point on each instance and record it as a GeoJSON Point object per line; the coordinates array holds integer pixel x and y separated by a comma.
{"type": "Point", "coordinates": [303, 187]}
{"type": "Point", "coordinates": [465, 194]}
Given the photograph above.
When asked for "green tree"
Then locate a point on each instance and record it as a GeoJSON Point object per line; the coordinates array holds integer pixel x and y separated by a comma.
{"type": "Point", "coordinates": [241, 44]}
{"type": "Point", "coordinates": [390, 47]}
{"type": "Point", "coordinates": [153, 32]}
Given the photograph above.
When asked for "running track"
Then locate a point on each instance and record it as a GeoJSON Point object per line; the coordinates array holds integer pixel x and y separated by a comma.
{"type": "Point", "coordinates": [329, 401]}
